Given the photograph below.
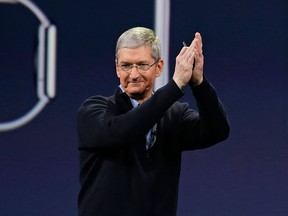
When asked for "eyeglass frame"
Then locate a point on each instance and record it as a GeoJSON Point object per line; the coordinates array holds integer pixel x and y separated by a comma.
{"type": "Point", "coordinates": [137, 67]}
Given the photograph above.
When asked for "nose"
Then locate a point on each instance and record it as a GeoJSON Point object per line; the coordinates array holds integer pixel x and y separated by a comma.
{"type": "Point", "coordinates": [134, 73]}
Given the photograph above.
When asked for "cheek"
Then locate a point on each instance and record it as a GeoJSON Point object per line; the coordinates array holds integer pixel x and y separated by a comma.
{"type": "Point", "coordinates": [150, 80]}
{"type": "Point", "coordinates": [122, 78]}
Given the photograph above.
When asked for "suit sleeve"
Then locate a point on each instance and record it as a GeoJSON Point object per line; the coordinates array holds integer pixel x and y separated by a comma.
{"type": "Point", "coordinates": [102, 126]}
{"type": "Point", "coordinates": [211, 126]}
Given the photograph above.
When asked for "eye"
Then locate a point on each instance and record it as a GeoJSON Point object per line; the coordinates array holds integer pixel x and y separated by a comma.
{"type": "Point", "coordinates": [143, 67]}
{"type": "Point", "coordinates": [125, 66]}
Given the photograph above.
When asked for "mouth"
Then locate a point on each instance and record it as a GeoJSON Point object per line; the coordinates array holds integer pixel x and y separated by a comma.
{"type": "Point", "coordinates": [134, 82]}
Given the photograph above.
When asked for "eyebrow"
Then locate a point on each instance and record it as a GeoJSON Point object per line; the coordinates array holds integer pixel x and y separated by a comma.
{"type": "Point", "coordinates": [139, 62]}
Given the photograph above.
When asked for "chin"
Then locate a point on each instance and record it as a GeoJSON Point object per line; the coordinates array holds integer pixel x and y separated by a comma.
{"type": "Point", "coordinates": [135, 88]}
{"type": "Point", "coordinates": [135, 92]}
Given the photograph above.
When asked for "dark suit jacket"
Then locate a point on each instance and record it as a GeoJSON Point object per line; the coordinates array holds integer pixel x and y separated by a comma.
{"type": "Point", "coordinates": [119, 177]}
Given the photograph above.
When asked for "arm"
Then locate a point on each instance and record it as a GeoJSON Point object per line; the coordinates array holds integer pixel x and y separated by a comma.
{"type": "Point", "coordinates": [212, 125]}
{"type": "Point", "coordinates": [100, 125]}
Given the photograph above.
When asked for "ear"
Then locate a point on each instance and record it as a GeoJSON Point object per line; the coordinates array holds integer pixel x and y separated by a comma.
{"type": "Point", "coordinates": [117, 69]}
{"type": "Point", "coordinates": [159, 69]}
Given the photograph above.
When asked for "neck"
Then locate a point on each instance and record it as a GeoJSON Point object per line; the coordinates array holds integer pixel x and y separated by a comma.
{"type": "Point", "coordinates": [140, 98]}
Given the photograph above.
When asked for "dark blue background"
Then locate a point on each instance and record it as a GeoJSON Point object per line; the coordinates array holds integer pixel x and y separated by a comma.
{"type": "Point", "coordinates": [246, 55]}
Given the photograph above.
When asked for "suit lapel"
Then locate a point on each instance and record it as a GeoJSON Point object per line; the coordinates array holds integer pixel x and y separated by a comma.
{"type": "Point", "coordinates": [122, 101]}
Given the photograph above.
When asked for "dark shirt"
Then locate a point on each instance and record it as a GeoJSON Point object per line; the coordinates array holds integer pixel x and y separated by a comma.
{"type": "Point", "coordinates": [119, 177]}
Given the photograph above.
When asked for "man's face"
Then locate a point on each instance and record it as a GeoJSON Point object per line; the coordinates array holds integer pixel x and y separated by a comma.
{"type": "Point", "coordinates": [136, 83]}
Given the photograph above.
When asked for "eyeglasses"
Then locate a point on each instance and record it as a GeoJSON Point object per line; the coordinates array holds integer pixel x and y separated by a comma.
{"type": "Point", "coordinates": [141, 68]}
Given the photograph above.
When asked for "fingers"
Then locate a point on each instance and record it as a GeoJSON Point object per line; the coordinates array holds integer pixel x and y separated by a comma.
{"type": "Point", "coordinates": [197, 76]}
{"type": "Point", "coordinates": [189, 63]}
{"type": "Point", "coordinates": [194, 49]}
{"type": "Point", "coordinates": [199, 44]}
{"type": "Point", "coordinates": [187, 52]}
{"type": "Point", "coordinates": [198, 37]}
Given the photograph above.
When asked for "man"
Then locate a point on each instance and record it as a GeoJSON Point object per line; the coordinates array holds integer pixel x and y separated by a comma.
{"type": "Point", "coordinates": [131, 142]}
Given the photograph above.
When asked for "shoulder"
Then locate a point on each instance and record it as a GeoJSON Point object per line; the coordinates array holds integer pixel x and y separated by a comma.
{"type": "Point", "coordinates": [95, 102]}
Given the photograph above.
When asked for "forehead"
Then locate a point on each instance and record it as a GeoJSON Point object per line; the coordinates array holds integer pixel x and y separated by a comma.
{"type": "Point", "coordinates": [142, 53]}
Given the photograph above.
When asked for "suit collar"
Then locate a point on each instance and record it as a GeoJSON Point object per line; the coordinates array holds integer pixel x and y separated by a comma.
{"type": "Point", "coordinates": [122, 100]}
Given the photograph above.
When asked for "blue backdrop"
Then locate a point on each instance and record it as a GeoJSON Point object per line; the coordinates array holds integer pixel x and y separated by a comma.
{"type": "Point", "coordinates": [246, 55]}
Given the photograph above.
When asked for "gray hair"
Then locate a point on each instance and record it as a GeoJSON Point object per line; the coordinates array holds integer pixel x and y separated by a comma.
{"type": "Point", "coordinates": [139, 36]}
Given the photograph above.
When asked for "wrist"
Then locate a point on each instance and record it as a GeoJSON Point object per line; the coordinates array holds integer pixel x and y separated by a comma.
{"type": "Point", "coordinates": [179, 83]}
{"type": "Point", "coordinates": [196, 82]}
